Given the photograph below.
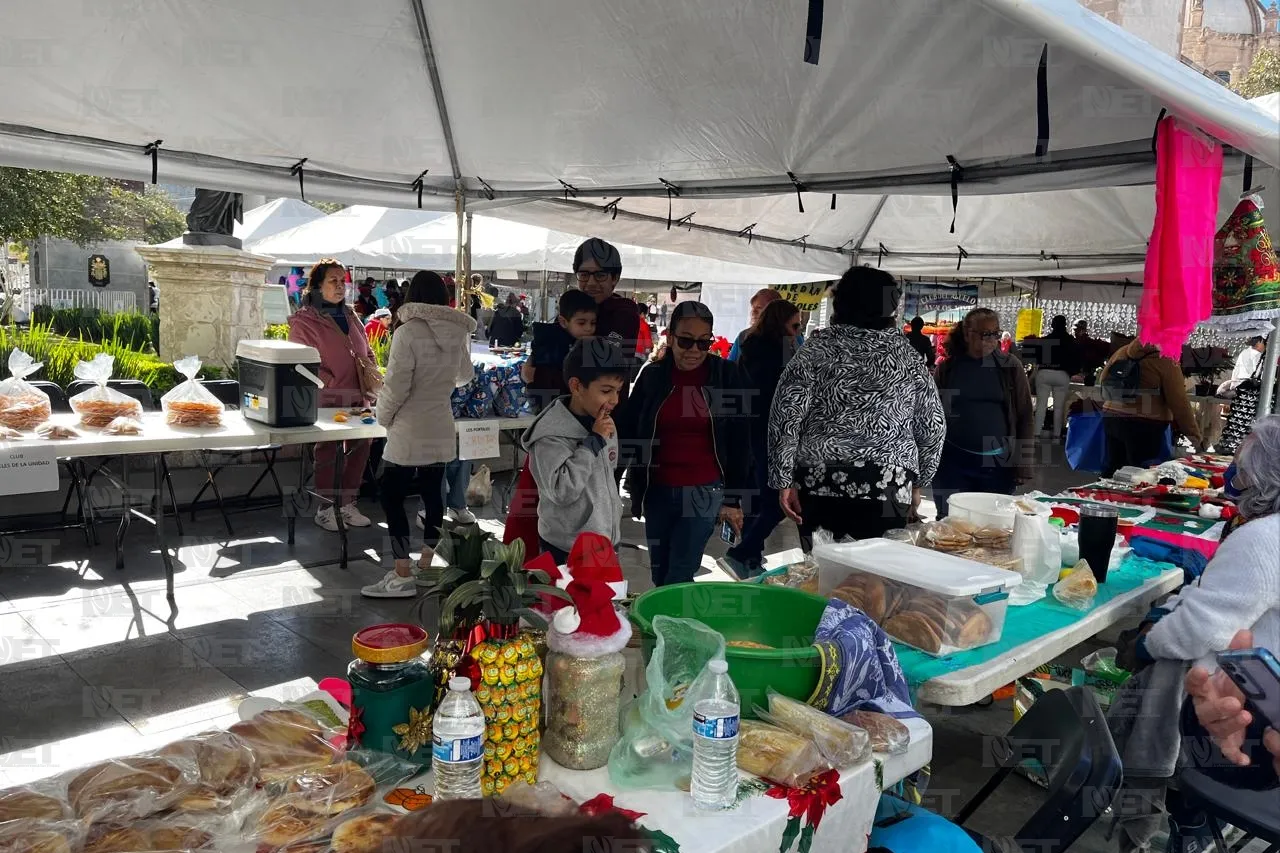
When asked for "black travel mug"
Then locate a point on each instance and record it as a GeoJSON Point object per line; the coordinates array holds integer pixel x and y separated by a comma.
{"type": "Point", "coordinates": [1097, 536]}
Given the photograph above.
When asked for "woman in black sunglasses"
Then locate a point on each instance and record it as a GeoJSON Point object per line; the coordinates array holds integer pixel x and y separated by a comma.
{"type": "Point", "coordinates": [686, 432]}
{"type": "Point", "coordinates": [989, 412]}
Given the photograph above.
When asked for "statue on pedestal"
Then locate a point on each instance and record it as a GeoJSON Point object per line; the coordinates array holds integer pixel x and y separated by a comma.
{"type": "Point", "coordinates": [212, 219]}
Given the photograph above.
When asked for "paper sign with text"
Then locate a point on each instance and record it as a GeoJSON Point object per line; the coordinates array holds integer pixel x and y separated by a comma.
{"type": "Point", "coordinates": [477, 440]}
{"type": "Point", "coordinates": [26, 470]}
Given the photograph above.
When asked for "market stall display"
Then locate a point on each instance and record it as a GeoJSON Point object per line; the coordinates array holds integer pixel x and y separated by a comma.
{"type": "Point", "coordinates": [391, 689]}
{"type": "Point", "coordinates": [101, 404]}
{"type": "Point", "coordinates": [190, 404]}
{"type": "Point", "coordinates": [22, 405]}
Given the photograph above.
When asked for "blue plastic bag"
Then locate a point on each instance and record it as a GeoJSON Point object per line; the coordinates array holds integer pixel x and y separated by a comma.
{"type": "Point", "coordinates": [1087, 443]}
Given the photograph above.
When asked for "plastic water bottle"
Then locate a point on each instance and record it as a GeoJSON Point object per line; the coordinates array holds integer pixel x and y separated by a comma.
{"type": "Point", "coordinates": [715, 737]}
{"type": "Point", "coordinates": [457, 743]}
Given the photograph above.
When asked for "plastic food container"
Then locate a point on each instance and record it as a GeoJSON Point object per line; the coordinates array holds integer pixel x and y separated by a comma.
{"type": "Point", "coordinates": [279, 382]}
{"type": "Point", "coordinates": [990, 510]}
{"type": "Point", "coordinates": [935, 602]}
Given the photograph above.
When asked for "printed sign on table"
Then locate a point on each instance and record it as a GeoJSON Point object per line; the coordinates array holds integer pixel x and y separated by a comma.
{"type": "Point", "coordinates": [478, 440]}
{"type": "Point", "coordinates": [26, 470]}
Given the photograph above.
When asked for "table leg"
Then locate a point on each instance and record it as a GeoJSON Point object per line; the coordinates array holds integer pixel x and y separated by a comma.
{"type": "Point", "coordinates": [126, 512]}
{"type": "Point", "coordinates": [160, 538]}
{"type": "Point", "coordinates": [339, 462]}
{"type": "Point", "coordinates": [295, 499]}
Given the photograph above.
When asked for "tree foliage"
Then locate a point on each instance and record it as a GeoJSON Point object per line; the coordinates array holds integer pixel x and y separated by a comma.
{"type": "Point", "coordinates": [1263, 77]}
{"type": "Point", "coordinates": [327, 206]}
{"type": "Point", "coordinates": [83, 208]}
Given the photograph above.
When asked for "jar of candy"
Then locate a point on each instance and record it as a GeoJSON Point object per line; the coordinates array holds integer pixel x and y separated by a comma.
{"type": "Point", "coordinates": [392, 692]}
{"type": "Point", "coordinates": [584, 696]}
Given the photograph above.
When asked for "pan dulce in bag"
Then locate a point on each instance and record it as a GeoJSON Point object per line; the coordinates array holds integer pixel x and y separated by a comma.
{"type": "Point", "coordinates": [23, 406]}
{"type": "Point", "coordinates": [101, 405]}
{"type": "Point", "coordinates": [190, 404]}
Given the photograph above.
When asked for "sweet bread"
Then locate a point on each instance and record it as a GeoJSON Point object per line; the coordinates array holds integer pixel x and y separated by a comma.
{"type": "Point", "coordinates": [37, 836]}
{"type": "Point", "coordinates": [17, 803]}
{"type": "Point", "coordinates": [139, 785]}
{"type": "Point", "coordinates": [363, 834]}
{"type": "Point", "coordinates": [915, 629]}
{"type": "Point", "coordinates": [226, 765]}
{"type": "Point", "coordinates": [285, 743]}
{"type": "Point", "coordinates": [333, 789]}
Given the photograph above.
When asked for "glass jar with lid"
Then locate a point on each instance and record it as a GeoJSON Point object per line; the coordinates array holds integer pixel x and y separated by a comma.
{"type": "Point", "coordinates": [392, 692]}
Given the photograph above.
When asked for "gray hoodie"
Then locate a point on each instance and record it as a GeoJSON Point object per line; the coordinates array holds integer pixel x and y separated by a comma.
{"type": "Point", "coordinates": [573, 468]}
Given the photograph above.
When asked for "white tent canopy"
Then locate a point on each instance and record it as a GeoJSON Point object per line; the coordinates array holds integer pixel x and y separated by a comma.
{"type": "Point", "coordinates": [338, 234]}
{"type": "Point", "coordinates": [497, 244]}
{"type": "Point", "coordinates": [273, 217]}
{"type": "Point", "coordinates": [620, 98]}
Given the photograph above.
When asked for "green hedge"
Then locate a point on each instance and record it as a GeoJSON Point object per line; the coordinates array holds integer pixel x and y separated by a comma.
{"type": "Point", "coordinates": [136, 331]}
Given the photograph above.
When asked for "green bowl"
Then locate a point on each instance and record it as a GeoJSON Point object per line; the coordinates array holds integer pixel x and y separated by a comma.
{"type": "Point", "coordinates": [783, 618]}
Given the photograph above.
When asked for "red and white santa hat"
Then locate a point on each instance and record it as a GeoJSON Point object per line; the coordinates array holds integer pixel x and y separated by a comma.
{"type": "Point", "coordinates": [594, 559]}
{"type": "Point", "coordinates": [593, 627]}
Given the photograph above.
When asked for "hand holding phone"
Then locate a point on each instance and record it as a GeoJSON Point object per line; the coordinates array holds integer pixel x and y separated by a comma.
{"type": "Point", "coordinates": [1257, 673]}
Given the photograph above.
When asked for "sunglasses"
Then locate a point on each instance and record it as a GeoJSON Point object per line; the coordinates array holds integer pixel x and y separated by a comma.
{"type": "Point", "coordinates": [599, 275]}
{"type": "Point", "coordinates": [992, 336]}
{"type": "Point", "coordinates": [686, 342]}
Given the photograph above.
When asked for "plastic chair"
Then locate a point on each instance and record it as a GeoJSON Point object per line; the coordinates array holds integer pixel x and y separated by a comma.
{"type": "Point", "coordinates": [1066, 733]}
{"type": "Point", "coordinates": [1257, 813]}
{"type": "Point", "coordinates": [214, 461]}
{"type": "Point", "coordinates": [57, 397]}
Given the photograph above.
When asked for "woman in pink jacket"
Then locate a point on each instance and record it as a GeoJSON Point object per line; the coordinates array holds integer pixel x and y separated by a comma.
{"type": "Point", "coordinates": [326, 322]}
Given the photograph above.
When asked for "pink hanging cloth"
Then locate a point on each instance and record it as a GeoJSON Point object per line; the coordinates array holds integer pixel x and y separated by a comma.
{"type": "Point", "coordinates": [1177, 281]}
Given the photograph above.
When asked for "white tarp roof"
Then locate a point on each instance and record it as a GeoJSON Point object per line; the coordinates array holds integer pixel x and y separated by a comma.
{"type": "Point", "coordinates": [338, 234]}
{"type": "Point", "coordinates": [612, 97]}
{"type": "Point", "coordinates": [497, 244]}
{"type": "Point", "coordinates": [275, 216]}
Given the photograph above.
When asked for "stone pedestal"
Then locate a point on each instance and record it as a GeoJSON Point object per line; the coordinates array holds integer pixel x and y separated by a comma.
{"type": "Point", "coordinates": [210, 298]}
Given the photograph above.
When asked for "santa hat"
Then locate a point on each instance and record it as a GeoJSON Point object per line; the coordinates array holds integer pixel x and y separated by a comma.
{"type": "Point", "coordinates": [593, 559]}
{"type": "Point", "coordinates": [592, 627]}
{"type": "Point", "coordinates": [544, 562]}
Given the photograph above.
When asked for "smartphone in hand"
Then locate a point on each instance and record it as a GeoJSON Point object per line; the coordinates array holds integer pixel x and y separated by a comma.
{"type": "Point", "coordinates": [1257, 673]}
{"type": "Point", "coordinates": [728, 534]}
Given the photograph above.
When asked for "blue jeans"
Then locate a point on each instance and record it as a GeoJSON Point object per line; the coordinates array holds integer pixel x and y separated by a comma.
{"type": "Point", "coordinates": [765, 513]}
{"type": "Point", "coordinates": [678, 521]}
{"type": "Point", "coordinates": [457, 474]}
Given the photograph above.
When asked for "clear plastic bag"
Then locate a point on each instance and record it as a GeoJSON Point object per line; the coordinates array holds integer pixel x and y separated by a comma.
{"type": "Point", "coordinates": [778, 755]}
{"type": "Point", "coordinates": [123, 426]}
{"type": "Point", "coordinates": [285, 742]}
{"type": "Point", "coordinates": [55, 432]}
{"type": "Point", "coordinates": [1078, 589]}
{"type": "Point", "coordinates": [23, 406]}
{"type": "Point", "coordinates": [190, 404]}
{"type": "Point", "coordinates": [170, 833]}
{"type": "Point", "coordinates": [9, 434]}
{"type": "Point", "coordinates": [656, 747]}
{"type": "Point", "coordinates": [127, 788]}
{"type": "Point", "coordinates": [41, 836]}
{"type": "Point", "coordinates": [843, 744]}
{"type": "Point", "coordinates": [100, 405]}
{"type": "Point", "coordinates": [45, 800]}
{"type": "Point", "coordinates": [227, 766]}
{"type": "Point", "coordinates": [887, 734]}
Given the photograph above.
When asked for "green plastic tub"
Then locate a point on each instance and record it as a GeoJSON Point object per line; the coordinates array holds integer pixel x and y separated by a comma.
{"type": "Point", "coordinates": [783, 618]}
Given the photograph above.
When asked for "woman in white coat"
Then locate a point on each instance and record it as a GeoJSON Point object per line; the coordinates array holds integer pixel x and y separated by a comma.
{"type": "Point", "coordinates": [430, 356]}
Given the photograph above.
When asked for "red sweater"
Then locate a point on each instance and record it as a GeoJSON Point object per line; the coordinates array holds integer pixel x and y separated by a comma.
{"type": "Point", "coordinates": [686, 453]}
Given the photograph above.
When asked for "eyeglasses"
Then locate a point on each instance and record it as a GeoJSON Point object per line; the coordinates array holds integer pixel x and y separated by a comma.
{"type": "Point", "coordinates": [992, 336]}
{"type": "Point", "coordinates": [686, 342]}
{"type": "Point", "coordinates": [601, 276]}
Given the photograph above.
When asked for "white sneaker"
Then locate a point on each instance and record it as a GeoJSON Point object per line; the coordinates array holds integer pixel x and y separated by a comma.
{"type": "Point", "coordinates": [462, 516]}
{"type": "Point", "coordinates": [392, 585]}
{"type": "Point", "coordinates": [353, 517]}
{"type": "Point", "coordinates": [325, 519]}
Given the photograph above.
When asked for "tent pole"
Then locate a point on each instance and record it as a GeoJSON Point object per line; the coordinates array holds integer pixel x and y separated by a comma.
{"type": "Point", "coordinates": [1269, 373]}
{"type": "Point", "coordinates": [460, 279]}
{"type": "Point", "coordinates": [467, 255]}
{"type": "Point", "coordinates": [866, 229]}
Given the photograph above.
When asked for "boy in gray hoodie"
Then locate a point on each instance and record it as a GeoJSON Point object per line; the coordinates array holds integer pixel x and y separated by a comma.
{"type": "Point", "coordinates": [573, 450]}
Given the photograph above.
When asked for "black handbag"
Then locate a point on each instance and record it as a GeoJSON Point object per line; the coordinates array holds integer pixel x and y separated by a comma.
{"type": "Point", "coordinates": [1242, 413]}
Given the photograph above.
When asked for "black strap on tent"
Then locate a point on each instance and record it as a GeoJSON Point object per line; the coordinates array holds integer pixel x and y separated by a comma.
{"type": "Point", "coordinates": [484, 186]}
{"type": "Point", "coordinates": [1248, 174]}
{"type": "Point", "coordinates": [833, 201]}
{"type": "Point", "coordinates": [880, 253]}
{"type": "Point", "coordinates": [672, 190]}
{"type": "Point", "coordinates": [1155, 134]}
{"type": "Point", "coordinates": [418, 184]}
{"type": "Point", "coordinates": [795, 182]}
{"type": "Point", "coordinates": [1042, 104]}
{"type": "Point", "coordinates": [748, 232]}
{"type": "Point", "coordinates": [613, 205]}
{"type": "Point", "coordinates": [803, 240]}
{"type": "Point", "coordinates": [960, 258]}
{"type": "Point", "coordinates": [296, 169]}
{"type": "Point", "coordinates": [152, 149]}
{"type": "Point", "coordinates": [687, 219]}
{"type": "Point", "coordinates": [569, 190]}
{"type": "Point", "coordinates": [956, 172]}
{"type": "Point", "coordinates": [813, 33]}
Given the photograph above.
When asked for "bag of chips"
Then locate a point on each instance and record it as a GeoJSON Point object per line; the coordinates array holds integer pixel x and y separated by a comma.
{"type": "Point", "coordinates": [190, 404]}
{"type": "Point", "coordinates": [22, 405]}
{"type": "Point", "coordinates": [100, 405]}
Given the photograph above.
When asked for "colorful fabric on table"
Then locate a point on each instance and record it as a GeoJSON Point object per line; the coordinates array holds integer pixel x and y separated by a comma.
{"type": "Point", "coordinates": [1188, 540]}
{"type": "Point", "coordinates": [1246, 273]}
{"type": "Point", "coordinates": [1177, 280]}
{"type": "Point", "coordinates": [860, 669]}
{"type": "Point", "coordinates": [1191, 560]}
{"type": "Point", "coordinates": [1154, 496]}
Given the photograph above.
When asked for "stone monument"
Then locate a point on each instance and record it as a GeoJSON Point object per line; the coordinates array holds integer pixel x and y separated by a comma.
{"type": "Point", "coordinates": [211, 290]}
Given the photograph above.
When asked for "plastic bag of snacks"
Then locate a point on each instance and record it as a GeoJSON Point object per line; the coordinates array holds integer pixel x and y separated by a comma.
{"type": "Point", "coordinates": [56, 432]}
{"type": "Point", "coordinates": [100, 405]}
{"type": "Point", "coordinates": [1078, 589]}
{"type": "Point", "coordinates": [887, 734]}
{"type": "Point", "coordinates": [22, 405]}
{"type": "Point", "coordinates": [841, 743]}
{"type": "Point", "coordinates": [123, 426]}
{"type": "Point", "coordinates": [9, 434]}
{"type": "Point", "coordinates": [777, 754]}
{"type": "Point", "coordinates": [190, 404]}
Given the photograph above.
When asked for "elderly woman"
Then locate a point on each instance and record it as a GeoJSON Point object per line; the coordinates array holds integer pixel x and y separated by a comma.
{"type": "Point", "coordinates": [856, 427]}
{"type": "Point", "coordinates": [325, 321]}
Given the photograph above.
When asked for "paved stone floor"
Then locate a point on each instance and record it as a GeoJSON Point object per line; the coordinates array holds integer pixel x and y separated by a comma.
{"type": "Point", "coordinates": [95, 663]}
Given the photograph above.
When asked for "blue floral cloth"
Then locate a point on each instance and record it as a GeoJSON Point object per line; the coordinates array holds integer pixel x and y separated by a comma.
{"type": "Point", "coordinates": [860, 669]}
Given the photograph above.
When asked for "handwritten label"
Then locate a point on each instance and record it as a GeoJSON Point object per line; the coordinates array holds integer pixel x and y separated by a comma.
{"type": "Point", "coordinates": [477, 440]}
{"type": "Point", "coordinates": [25, 470]}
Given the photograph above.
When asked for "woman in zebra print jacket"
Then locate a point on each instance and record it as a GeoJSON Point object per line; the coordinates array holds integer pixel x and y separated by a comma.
{"type": "Point", "coordinates": [857, 427]}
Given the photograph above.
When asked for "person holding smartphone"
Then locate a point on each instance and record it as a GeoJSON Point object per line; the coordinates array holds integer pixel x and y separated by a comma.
{"type": "Point", "coordinates": [686, 428]}
{"type": "Point", "coordinates": [1217, 709]}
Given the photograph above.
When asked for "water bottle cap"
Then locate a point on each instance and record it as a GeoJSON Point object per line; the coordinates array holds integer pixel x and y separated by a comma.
{"type": "Point", "coordinates": [718, 666]}
{"type": "Point", "coordinates": [459, 683]}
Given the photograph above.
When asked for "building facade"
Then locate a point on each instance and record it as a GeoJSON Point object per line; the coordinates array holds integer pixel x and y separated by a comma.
{"type": "Point", "coordinates": [1219, 37]}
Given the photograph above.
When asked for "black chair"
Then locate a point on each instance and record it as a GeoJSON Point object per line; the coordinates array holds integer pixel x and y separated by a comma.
{"type": "Point", "coordinates": [57, 397]}
{"type": "Point", "coordinates": [139, 391]}
{"type": "Point", "coordinates": [1257, 813]}
{"type": "Point", "coordinates": [75, 467]}
{"type": "Point", "coordinates": [214, 461]}
{"type": "Point", "coordinates": [1066, 734]}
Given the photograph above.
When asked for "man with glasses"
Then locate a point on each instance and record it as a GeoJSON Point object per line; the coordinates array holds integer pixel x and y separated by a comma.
{"type": "Point", "coordinates": [597, 265]}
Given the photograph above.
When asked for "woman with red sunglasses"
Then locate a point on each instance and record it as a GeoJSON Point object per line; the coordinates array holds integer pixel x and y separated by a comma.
{"type": "Point", "coordinates": [686, 433]}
